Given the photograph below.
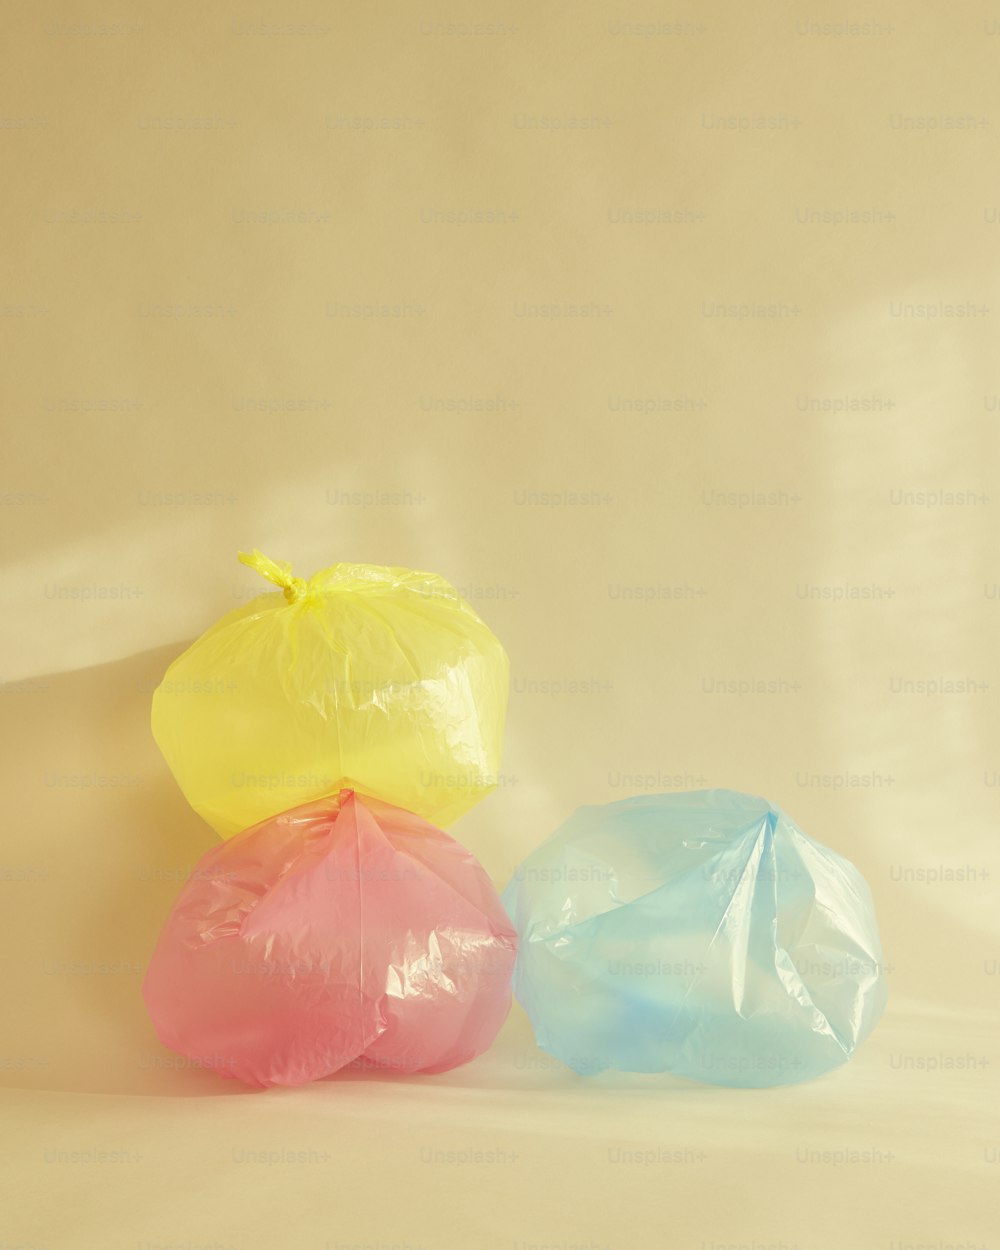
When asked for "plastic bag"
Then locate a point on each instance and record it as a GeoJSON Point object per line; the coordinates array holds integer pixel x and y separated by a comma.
{"type": "Point", "coordinates": [701, 934]}
{"type": "Point", "coordinates": [346, 932]}
{"type": "Point", "coordinates": [383, 679]}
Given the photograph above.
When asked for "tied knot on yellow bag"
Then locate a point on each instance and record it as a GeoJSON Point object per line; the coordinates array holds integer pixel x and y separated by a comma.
{"type": "Point", "coordinates": [280, 574]}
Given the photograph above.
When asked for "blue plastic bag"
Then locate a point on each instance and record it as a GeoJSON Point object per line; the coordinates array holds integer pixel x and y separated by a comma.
{"type": "Point", "coordinates": [699, 933]}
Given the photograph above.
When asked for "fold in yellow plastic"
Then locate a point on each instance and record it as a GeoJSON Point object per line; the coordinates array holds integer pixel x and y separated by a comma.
{"type": "Point", "coordinates": [380, 679]}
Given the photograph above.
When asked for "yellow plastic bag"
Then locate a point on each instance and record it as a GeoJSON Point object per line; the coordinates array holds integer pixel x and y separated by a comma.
{"type": "Point", "coordinates": [379, 679]}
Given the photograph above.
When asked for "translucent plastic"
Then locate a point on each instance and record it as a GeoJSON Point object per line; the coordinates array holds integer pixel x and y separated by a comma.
{"type": "Point", "coordinates": [346, 932]}
{"type": "Point", "coordinates": [701, 934]}
{"type": "Point", "coordinates": [377, 678]}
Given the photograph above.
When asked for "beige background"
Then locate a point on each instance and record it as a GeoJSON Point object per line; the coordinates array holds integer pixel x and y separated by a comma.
{"type": "Point", "coordinates": [649, 499]}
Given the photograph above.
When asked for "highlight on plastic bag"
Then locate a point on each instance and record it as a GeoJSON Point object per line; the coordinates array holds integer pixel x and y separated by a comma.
{"type": "Point", "coordinates": [702, 934]}
{"type": "Point", "coordinates": [345, 933]}
{"type": "Point", "coordinates": [381, 679]}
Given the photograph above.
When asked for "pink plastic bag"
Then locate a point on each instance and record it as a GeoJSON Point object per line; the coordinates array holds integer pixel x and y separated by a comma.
{"type": "Point", "coordinates": [342, 932]}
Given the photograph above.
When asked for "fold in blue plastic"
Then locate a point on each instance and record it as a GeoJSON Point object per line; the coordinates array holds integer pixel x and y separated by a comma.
{"type": "Point", "coordinates": [702, 934]}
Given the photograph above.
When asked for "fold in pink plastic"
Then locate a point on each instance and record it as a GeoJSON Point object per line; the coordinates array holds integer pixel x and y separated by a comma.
{"type": "Point", "coordinates": [344, 932]}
